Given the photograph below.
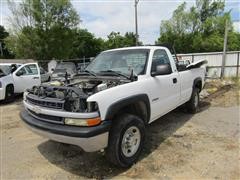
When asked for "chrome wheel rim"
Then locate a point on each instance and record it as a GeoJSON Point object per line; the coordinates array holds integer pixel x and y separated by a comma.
{"type": "Point", "coordinates": [131, 141]}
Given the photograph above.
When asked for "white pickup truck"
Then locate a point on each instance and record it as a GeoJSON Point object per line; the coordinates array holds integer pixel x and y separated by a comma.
{"type": "Point", "coordinates": [109, 104]}
{"type": "Point", "coordinates": [17, 80]}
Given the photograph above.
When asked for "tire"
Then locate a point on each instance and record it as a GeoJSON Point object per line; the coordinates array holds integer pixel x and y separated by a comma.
{"type": "Point", "coordinates": [193, 104]}
{"type": "Point", "coordinates": [9, 94]}
{"type": "Point", "coordinates": [124, 150]}
{"type": "Point", "coordinates": [49, 79]}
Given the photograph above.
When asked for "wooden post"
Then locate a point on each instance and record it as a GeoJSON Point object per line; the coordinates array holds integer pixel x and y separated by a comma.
{"type": "Point", "coordinates": [224, 49]}
{"type": "Point", "coordinates": [84, 64]}
{"type": "Point", "coordinates": [237, 64]}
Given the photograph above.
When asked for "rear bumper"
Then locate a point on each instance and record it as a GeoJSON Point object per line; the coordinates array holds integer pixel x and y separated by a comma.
{"type": "Point", "coordinates": [90, 139]}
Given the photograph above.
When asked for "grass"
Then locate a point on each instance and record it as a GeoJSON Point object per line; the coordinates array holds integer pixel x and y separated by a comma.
{"type": "Point", "coordinates": [236, 81]}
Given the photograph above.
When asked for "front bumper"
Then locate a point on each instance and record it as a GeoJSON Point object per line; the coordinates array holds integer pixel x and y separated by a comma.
{"type": "Point", "coordinates": [90, 139]}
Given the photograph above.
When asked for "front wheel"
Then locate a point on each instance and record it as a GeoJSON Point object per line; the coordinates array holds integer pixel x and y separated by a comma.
{"type": "Point", "coordinates": [9, 94]}
{"type": "Point", "coordinates": [125, 140]}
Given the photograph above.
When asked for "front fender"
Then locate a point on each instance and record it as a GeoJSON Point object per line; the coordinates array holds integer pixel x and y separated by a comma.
{"type": "Point", "coordinates": [110, 99]}
{"type": "Point", "coordinates": [116, 106]}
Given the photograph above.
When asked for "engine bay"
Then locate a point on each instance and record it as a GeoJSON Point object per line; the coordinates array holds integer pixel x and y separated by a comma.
{"type": "Point", "coordinates": [71, 95]}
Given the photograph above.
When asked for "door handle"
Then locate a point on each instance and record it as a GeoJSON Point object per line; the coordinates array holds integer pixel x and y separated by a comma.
{"type": "Point", "coordinates": [35, 77]}
{"type": "Point", "coordinates": [174, 80]}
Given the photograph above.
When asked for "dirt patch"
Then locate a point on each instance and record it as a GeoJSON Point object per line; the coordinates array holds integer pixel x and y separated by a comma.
{"type": "Point", "coordinates": [10, 125]}
{"type": "Point", "coordinates": [222, 93]}
{"type": "Point", "coordinates": [228, 99]}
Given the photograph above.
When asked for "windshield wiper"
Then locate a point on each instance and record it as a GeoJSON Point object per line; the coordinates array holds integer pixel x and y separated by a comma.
{"type": "Point", "coordinates": [90, 72]}
{"type": "Point", "coordinates": [115, 72]}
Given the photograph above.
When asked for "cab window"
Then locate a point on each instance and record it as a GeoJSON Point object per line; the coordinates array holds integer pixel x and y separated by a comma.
{"type": "Point", "coordinates": [22, 71]}
{"type": "Point", "coordinates": [31, 69]}
{"type": "Point", "coordinates": [160, 57]}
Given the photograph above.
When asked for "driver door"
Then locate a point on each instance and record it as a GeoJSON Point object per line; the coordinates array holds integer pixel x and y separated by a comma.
{"type": "Point", "coordinates": [165, 89]}
{"type": "Point", "coordinates": [26, 76]}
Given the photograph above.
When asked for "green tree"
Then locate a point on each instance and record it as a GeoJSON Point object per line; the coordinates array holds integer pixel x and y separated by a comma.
{"type": "Point", "coordinates": [4, 52]}
{"type": "Point", "coordinates": [116, 40]}
{"type": "Point", "coordinates": [199, 29]}
{"type": "Point", "coordinates": [44, 29]}
{"type": "Point", "coordinates": [85, 44]}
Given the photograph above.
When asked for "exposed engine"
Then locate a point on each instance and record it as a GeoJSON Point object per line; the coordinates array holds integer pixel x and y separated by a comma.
{"type": "Point", "coordinates": [70, 96]}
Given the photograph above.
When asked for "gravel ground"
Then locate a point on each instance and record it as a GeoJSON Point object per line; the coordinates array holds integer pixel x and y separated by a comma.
{"type": "Point", "coordinates": [178, 146]}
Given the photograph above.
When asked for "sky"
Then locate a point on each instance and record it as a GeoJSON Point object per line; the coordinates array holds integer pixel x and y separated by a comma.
{"type": "Point", "coordinates": [104, 16]}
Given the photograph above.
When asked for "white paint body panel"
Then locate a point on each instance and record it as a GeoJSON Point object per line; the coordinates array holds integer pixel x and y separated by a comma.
{"type": "Point", "coordinates": [21, 83]}
{"type": "Point", "coordinates": [168, 95]}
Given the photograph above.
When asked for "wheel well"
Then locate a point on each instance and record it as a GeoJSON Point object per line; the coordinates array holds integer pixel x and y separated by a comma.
{"type": "Point", "coordinates": [198, 85]}
{"type": "Point", "coordinates": [138, 108]}
{"type": "Point", "coordinates": [10, 85]}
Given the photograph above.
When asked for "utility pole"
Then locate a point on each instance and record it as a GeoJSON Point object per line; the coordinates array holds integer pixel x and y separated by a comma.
{"type": "Point", "coordinates": [136, 21]}
{"type": "Point", "coordinates": [224, 49]}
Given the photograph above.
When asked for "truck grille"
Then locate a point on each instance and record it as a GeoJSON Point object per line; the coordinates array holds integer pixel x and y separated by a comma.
{"type": "Point", "coordinates": [46, 103]}
{"type": "Point", "coordinates": [45, 117]}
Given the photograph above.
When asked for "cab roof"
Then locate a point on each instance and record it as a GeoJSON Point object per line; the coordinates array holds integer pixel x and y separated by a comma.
{"type": "Point", "coordinates": [9, 64]}
{"type": "Point", "coordinates": [137, 47]}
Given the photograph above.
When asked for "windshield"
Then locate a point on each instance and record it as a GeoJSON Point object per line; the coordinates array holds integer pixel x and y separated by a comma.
{"type": "Point", "coordinates": [122, 61]}
{"type": "Point", "coordinates": [5, 70]}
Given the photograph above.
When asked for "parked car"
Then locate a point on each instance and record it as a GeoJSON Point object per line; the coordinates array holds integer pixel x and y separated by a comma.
{"type": "Point", "coordinates": [16, 78]}
{"type": "Point", "coordinates": [45, 76]}
{"type": "Point", "coordinates": [63, 68]}
{"type": "Point", "coordinates": [109, 106]}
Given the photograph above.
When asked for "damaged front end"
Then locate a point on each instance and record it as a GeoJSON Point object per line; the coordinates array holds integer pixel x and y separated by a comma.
{"type": "Point", "coordinates": [70, 97]}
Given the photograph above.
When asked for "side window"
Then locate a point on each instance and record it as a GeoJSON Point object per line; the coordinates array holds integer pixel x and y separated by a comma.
{"type": "Point", "coordinates": [31, 69]}
{"type": "Point", "coordinates": [22, 71]}
{"type": "Point", "coordinates": [160, 57]}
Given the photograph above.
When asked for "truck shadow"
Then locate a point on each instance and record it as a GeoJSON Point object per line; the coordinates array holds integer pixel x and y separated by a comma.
{"type": "Point", "coordinates": [94, 165]}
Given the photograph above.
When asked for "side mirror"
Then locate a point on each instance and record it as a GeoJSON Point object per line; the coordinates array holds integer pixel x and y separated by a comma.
{"type": "Point", "coordinates": [19, 73]}
{"type": "Point", "coordinates": [162, 70]}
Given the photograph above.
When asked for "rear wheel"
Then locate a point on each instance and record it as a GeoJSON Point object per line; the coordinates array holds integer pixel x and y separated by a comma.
{"type": "Point", "coordinates": [125, 140]}
{"type": "Point", "coordinates": [9, 94]}
{"type": "Point", "coordinates": [193, 104]}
